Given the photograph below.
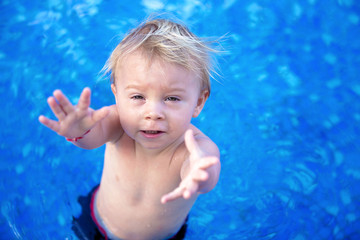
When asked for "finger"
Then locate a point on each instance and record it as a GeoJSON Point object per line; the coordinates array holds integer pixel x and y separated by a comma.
{"type": "Point", "coordinates": [177, 193]}
{"type": "Point", "coordinates": [187, 194]}
{"type": "Point", "coordinates": [100, 114]}
{"type": "Point", "coordinates": [64, 102]}
{"type": "Point", "coordinates": [84, 101]}
{"type": "Point", "coordinates": [200, 176]}
{"type": "Point", "coordinates": [190, 142]}
{"type": "Point", "coordinates": [53, 125]}
{"type": "Point", "coordinates": [207, 162]}
{"type": "Point", "coordinates": [56, 109]}
{"type": "Point", "coordinates": [190, 190]}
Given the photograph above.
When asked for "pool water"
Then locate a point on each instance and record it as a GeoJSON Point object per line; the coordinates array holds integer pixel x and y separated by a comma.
{"type": "Point", "coordinates": [285, 114]}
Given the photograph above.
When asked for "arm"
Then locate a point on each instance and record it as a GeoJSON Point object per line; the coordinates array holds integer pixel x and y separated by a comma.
{"type": "Point", "coordinates": [200, 171]}
{"type": "Point", "coordinates": [204, 161]}
{"type": "Point", "coordinates": [74, 121]}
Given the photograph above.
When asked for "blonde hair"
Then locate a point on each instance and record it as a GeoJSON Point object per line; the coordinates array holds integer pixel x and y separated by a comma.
{"type": "Point", "coordinates": [170, 41]}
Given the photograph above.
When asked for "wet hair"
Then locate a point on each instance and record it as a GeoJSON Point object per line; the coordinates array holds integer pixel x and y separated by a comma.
{"type": "Point", "coordinates": [171, 42]}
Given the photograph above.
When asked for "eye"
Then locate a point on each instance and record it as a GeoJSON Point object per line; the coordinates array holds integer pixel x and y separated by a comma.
{"type": "Point", "coordinates": [172, 99]}
{"type": "Point", "coordinates": [137, 97]}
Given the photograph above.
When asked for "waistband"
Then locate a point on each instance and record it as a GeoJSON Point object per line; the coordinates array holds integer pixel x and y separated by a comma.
{"type": "Point", "coordinates": [97, 219]}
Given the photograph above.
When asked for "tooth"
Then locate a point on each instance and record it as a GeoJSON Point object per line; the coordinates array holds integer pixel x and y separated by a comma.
{"type": "Point", "coordinates": [151, 132]}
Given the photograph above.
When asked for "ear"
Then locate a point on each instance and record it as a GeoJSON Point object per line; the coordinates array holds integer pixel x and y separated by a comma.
{"type": "Point", "coordinates": [113, 89]}
{"type": "Point", "coordinates": [200, 103]}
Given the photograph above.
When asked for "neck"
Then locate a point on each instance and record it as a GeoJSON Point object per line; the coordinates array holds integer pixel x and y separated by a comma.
{"type": "Point", "coordinates": [150, 154]}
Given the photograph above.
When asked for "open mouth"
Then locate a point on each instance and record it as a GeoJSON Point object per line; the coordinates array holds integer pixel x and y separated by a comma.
{"type": "Point", "coordinates": [152, 132]}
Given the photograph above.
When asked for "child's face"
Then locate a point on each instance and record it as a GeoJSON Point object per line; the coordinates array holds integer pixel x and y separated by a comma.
{"type": "Point", "coordinates": [156, 100]}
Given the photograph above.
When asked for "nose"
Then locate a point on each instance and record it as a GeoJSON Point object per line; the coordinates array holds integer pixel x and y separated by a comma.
{"type": "Point", "coordinates": [154, 111]}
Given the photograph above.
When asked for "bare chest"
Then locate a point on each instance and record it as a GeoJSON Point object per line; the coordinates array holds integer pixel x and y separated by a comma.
{"type": "Point", "coordinates": [131, 190]}
{"type": "Point", "coordinates": [140, 177]}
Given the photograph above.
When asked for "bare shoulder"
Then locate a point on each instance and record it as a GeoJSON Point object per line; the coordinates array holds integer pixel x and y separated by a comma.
{"type": "Point", "coordinates": [112, 126]}
{"type": "Point", "coordinates": [205, 143]}
{"type": "Point", "coordinates": [113, 113]}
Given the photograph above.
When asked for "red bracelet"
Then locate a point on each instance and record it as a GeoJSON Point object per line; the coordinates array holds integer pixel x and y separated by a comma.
{"type": "Point", "coordinates": [77, 138]}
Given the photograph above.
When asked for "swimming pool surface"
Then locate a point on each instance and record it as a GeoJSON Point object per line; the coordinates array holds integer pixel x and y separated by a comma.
{"type": "Point", "coordinates": [286, 114]}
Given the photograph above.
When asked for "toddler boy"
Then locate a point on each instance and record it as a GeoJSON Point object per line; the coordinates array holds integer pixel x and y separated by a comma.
{"type": "Point", "coordinates": [156, 162]}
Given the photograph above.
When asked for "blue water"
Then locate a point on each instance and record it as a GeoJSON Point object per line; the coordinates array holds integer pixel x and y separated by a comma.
{"type": "Point", "coordinates": [286, 114]}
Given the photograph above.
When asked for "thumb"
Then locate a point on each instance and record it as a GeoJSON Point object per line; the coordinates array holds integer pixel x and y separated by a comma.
{"type": "Point", "coordinates": [191, 143]}
{"type": "Point", "coordinates": [100, 114]}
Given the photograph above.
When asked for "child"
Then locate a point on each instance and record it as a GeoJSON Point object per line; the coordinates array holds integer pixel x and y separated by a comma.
{"type": "Point", "coordinates": [156, 162]}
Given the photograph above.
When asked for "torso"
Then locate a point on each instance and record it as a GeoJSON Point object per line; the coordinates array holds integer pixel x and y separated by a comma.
{"type": "Point", "coordinates": [128, 200]}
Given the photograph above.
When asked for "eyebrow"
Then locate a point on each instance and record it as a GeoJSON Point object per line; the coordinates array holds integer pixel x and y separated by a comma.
{"type": "Point", "coordinates": [133, 86]}
{"type": "Point", "coordinates": [138, 87]}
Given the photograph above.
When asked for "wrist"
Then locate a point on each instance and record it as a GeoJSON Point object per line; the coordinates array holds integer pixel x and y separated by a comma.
{"type": "Point", "coordinates": [78, 138]}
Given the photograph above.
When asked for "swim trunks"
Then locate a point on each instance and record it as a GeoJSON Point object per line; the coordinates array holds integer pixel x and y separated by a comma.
{"type": "Point", "coordinates": [86, 226]}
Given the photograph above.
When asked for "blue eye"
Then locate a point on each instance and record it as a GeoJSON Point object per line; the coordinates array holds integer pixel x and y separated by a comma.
{"type": "Point", "coordinates": [172, 99]}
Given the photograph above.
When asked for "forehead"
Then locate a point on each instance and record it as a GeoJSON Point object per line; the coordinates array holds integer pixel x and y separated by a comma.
{"type": "Point", "coordinates": [140, 68]}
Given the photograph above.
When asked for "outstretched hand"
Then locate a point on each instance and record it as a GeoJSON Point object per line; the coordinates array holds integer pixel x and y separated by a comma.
{"type": "Point", "coordinates": [73, 121]}
{"type": "Point", "coordinates": [197, 174]}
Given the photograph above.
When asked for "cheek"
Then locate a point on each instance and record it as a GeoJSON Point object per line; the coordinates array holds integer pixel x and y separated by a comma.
{"type": "Point", "coordinates": [128, 118]}
{"type": "Point", "coordinates": [181, 119]}
{"type": "Point", "coordinates": [129, 126]}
